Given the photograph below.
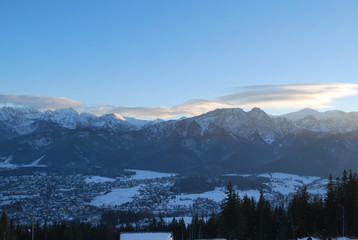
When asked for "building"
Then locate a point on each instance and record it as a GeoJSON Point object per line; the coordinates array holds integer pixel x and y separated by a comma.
{"type": "Point", "coordinates": [146, 236]}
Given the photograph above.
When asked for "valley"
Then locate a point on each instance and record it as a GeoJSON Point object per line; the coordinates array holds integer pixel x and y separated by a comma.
{"type": "Point", "coordinates": [49, 197]}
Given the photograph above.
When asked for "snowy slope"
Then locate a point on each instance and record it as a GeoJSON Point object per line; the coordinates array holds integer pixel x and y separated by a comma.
{"type": "Point", "coordinates": [327, 122]}
{"type": "Point", "coordinates": [235, 121]}
{"type": "Point", "coordinates": [23, 121]}
{"type": "Point", "coordinates": [340, 238]}
{"type": "Point", "coordinates": [280, 187]}
{"type": "Point", "coordinates": [143, 174]}
{"type": "Point", "coordinates": [116, 197]}
{"type": "Point", "coordinates": [247, 124]}
{"type": "Point", "coordinates": [146, 236]}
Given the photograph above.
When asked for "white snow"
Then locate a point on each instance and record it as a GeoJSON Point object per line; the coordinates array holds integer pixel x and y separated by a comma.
{"type": "Point", "coordinates": [6, 163]}
{"type": "Point", "coordinates": [217, 195]}
{"type": "Point", "coordinates": [328, 122]}
{"type": "Point", "coordinates": [280, 185]}
{"type": "Point", "coordinates": [285, 183]}
{"type": "Point", "coordinates": [187, 220]}
{"type": "Point", "coordinates": [292, 177]}
{"type": "Point", "coordinates": [98, 179]}
{"type": "Point", "coordinates": [340, 238]}
{"type": "Point", "coordinates": [22, 120]}
{"type": "Point", "coordinates": [294, 116]}
{"type": "Point", "coordinates": [116, 197]}
{"type": "Point", "coordinates": [142, 174]}
{"type": "Point", "coordinates": [188, 199]}
{"type": "Point", "coordinates": [146, 236]}
{"type": "Point", "coordinates": [35, 163]}
{"type": "Point", "coordinates": [138, 123]}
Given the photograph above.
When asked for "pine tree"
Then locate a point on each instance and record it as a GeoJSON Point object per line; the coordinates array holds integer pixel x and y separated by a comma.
{"type": "Point", "coordinates": [230, 214]}
{"type": "Point", "coordinates": [280, 224]}
{"type": "Point", "coordinates": [250, 218]}
{"type": "Point", "coordinates": [265, 218]}
{"type": "Point", "coordinates": [330, 210]}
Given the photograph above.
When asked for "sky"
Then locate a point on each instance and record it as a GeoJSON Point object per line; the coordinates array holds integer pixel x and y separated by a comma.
{"type": "Point", "coordinates": [166, 59]}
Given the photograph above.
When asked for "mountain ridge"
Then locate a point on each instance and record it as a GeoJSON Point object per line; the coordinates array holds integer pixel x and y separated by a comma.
{"type": "Point", "coordinates": [222, 140]}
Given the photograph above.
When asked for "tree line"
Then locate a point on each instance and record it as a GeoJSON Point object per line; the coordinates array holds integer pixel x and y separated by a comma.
{"type": "Point", "coordinates": [240, 218]}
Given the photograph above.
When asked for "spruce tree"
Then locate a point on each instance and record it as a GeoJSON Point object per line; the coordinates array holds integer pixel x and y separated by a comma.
{"type": "Point", "coordinates": [230, 214]}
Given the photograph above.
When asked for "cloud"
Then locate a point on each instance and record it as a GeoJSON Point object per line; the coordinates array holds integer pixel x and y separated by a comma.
{"type": "Point", "coordinates": [190, 108]}
{"type": "Point", "coordinates": [280, 97]}
{"type": "Point", "coordinates": [38, 102]}
{"type": "Point", "coordinates": [287, 97]}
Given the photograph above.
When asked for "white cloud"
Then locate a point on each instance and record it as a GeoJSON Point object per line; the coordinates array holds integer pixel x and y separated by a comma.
{"type": "Point", "coordinates": [282, 97]}
{"type": "Point", "coordinates": [289, 96]}
{"type": "Point", "coordinates": [38, 102]}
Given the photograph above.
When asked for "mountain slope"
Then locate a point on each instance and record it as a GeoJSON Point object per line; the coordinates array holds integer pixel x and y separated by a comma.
{"type": "Point", "coordinates": [328, 122]}
{"type": "Point", "coordinates": [220, 141]}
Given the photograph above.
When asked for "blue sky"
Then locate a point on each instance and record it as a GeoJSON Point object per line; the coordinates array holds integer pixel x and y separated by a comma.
{"type": "Point", "coordinates": [146, 58]}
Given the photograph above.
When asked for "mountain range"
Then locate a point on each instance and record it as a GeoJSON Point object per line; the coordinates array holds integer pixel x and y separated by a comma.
{"type": "Point", "coordinates": [306, 142]}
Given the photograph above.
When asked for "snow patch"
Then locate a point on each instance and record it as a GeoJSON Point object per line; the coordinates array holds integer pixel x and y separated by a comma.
{"type": "Point", "coordinates": [146, 236]}
{"type": "Point", "coordinates": [142, 174]}
{"type": "Point", "coordinates": [286, 184]}
{"type": "Point", "coordinates": [35, 163]}
{"type": "Point", "coordinates": [6, 164]}
{"type": "Point", "coordinates": [98, 179]}
{"type": "Point", "coordinates": [340, 238]}
{"type": "Point", "coordinates": [187, 220]}
{"type": "Point", "coordinates": [116, 197]}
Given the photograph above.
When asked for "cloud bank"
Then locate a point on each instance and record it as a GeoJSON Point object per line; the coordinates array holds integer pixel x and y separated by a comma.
{"type": "Point", "coordinates": [38, 102]}
{"type": "Point", "coordinates": [284, 97]}
{"type": "Point", "coordinates": [281, 97]}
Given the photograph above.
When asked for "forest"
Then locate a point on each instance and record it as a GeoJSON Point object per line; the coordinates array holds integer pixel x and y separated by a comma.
{"type": "Point", "coordinates": [240, 218]}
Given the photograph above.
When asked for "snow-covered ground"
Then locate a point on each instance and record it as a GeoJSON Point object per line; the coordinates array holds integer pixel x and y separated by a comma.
{"type": "Point", "coordinates": [6, 163]}
{"type": "Point", "coordinates": [116, 197]}
{"type": "Point", "coordinates": [285, 183]}
{"type": "Point", "coordinates": [187, 220]}
{"type": "Point", "coordinates": [188, 199]}
{"type": "Point", "coordinates": [35, 163]}
{"type": "Point", "coordinates": [280, 183]}
{"type": "Point", "coordinates": [217, 195]}
{"type": "Point", "coordinates": [98, 179]}
{"type": "Point", "coordinates": [154, 188]}
{"type": "Point", "coordinates": [146, 236]}
{"type": "Point", "coordinates": [142, 174]}
{"type": "Point", "coordinates": [341, 238]}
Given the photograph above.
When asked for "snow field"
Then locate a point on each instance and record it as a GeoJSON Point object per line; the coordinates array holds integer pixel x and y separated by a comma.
{"type": "Point", "coordinates": [98, 179]}
{"type": "Point", "coordinates": [116, 197]}
{"type": "Point", "coordinates": [143, 174]}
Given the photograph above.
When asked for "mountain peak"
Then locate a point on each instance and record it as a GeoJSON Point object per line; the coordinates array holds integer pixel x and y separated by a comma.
{"type": "Point", "coordinates": [225, 111]}
{"type": "Point", "coordinates": [256, 112]}
{"type": "Point", "coordinates": [66, 111]}
{"type": "Point", "coordinates": [301, 114]}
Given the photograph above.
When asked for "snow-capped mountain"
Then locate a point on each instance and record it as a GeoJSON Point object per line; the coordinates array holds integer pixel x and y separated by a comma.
{"type": "Point", "coordinates": [247, 124]}
{"type": "Point", "coordinates": [327, 122]}
{"type": "Point", "coordinates": [21, 121]}
{"type": "Point", "coordinates": [220, 141]}
{"type": "Point", "coordinates": [235, 121]}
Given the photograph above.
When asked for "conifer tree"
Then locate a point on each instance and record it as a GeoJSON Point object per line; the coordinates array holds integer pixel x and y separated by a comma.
{"type": "Point", "coordinates": [230, 214]}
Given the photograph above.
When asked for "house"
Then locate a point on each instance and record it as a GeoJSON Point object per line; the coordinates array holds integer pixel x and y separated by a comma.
{"type": "Point", "coordinates": [146, 236]}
